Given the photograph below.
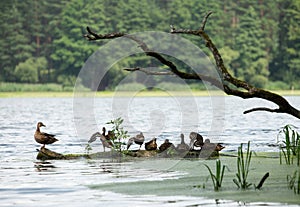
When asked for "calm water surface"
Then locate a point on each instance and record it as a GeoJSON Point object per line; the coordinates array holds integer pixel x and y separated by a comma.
{"type": "Point", "coordinates": [26, 181]}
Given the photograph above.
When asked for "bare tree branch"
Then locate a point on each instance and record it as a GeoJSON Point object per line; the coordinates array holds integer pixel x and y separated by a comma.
{"type": "Point", "coordinates": [205, 20]}
{"type": "Point", "coordinates": [94, 36]}
{"type": "Point", "coordinates": [146, 71]}
{"type": "Point", "coordinates": [241, 88]}
{"type": "Point", "coordinates": [262, 109]}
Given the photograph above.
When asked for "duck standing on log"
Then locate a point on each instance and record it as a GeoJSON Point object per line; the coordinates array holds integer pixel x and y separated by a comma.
{"type": "Point", "coordinates": [42, 137]}
{"type": "Point", "coordinates": [138, 139]}
{"type": "Point", "coordinates": [105, 139]}
{"type": "Point", "coordinates": [182, 147]}
{"type": "Point", "coordinates": [196, 140]}
{"type": "Point", "coordinates": [167, 144]}
{"type": "Point", "coordinates": [151, 145]}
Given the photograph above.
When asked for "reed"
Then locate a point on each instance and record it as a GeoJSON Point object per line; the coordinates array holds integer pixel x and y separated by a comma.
{"type": "Point", "coordinates": [294, 182]}
{"type": "Point", "coordinates": [218, 177]}
{"type": "Point", "coordinates": [243, 167]}
{"type": "Point", "coordinates": [289, 147]}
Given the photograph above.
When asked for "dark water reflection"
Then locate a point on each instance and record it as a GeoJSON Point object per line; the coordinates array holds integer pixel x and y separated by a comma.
{"type": "Point", "coordinates": [28, 182]}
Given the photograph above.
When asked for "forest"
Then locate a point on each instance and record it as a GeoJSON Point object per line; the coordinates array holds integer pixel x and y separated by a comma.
{"type": "Point", "coordinates": [42, 41]}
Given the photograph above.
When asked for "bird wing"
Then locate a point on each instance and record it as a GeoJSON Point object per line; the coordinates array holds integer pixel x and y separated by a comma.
{"type": "Point", "coordinates": [48, 135]}
{"type": "Point", "coordinates": [94, 137]}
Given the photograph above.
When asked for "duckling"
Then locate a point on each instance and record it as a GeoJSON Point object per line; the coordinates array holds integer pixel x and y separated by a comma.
{"type": "Point", "coordinates": [196, 140]}
{"type": "Point", "coordinates": [151, 145]}
{"type": "Point", "coordinates": [138, 139]}
{"type": "Point", "coordinates": [167, 144]}
{"type": "Point", "coordinates": [42, 137]}
{"type": "Point", "coordinates": [182, 146]}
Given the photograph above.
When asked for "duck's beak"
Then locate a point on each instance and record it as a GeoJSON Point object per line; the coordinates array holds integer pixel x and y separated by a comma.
{"type": "Point", "coordinates": [43, 125]}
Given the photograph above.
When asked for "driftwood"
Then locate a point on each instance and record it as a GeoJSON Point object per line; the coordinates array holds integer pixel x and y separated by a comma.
{"type": "Point", "coordinates": [227, 83]}
{"type": "Point", "coordinates": [46, 154]}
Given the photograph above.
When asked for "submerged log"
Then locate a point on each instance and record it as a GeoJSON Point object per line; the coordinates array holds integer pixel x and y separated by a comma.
{"type": "Point", "coordinates": [46, 154]}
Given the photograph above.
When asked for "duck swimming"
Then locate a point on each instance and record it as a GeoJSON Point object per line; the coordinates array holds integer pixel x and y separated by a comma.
{"type": "Point", "coordinates": [182, 146]}
{"type": "Point", "coordinates": [151, 145]}
{"type": "Point", "coordinates": [42, 137]}
{"type": "Point", "coordinates": [138, 139]}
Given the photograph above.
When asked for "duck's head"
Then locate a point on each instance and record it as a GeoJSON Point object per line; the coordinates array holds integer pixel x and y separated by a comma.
{"type": "Point", "coordinates": [40, 124]}
{"type": "Point", "coordinates": [182, 136]}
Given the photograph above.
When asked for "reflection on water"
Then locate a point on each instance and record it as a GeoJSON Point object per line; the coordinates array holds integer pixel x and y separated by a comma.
{"type": "Point", "coordinates": [26, 181]}
{"type": "Point", "coordinates": [44, 166]}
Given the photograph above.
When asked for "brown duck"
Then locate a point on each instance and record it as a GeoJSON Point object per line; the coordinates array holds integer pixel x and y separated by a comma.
{"type": "Point", "coordinates": [212, 146]}
{"type": "Point", "coordinates": [182, 146]}
{"type": "Point", "coordinates": [138, 139]}
{"type": "Point", "coordinates": [42, 137]}
{"type": "Point", "coordinates": [105, 139]}
{"type": "Point", "coordinates": [167, 144]}
{"type": "Point", "coordinates": [151, 145]}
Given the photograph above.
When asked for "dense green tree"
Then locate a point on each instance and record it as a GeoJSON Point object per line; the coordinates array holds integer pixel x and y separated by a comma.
{"type": "Point", "coordinates": [285, 66]}
{"type": "Point", "coordinates": [15, 44]}
{"type": "Point", "coordinates": [30, 70]}
{"type": "Point", "coordinates": [251, 65]}
{"type": "Point", "coordinates": [259, 40]}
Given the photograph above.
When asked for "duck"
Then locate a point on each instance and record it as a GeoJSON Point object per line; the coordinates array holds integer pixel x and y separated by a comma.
{"type": "Point", "coordinates": [182, 146]}
{"type": "Point", "coordinates": [105, 139]}
{"type": "Point", "coordinates": [212, 146]}
{"type": "Point", "coordinates": [196, 140]}
{"type": "Point", "coordinates": [138, 139]}
{"type": "Point", "coordinates": [42, 137]}
{"type": "Point", "coordinates": [167, 144]}
{"type": "Point", "coordinates": [151, 145]}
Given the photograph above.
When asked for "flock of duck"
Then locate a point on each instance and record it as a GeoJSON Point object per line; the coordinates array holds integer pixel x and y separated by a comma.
{"type": "Point", "coordinates": [196, 140]}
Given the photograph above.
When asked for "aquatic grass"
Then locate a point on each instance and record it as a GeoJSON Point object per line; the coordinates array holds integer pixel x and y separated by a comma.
{"type": "Point", "coordinates": [243, 167]}
{"type": "Point", "coordinates": [290, 146]}
{"type": "Point", "coordinates": [218, 177]}
{"type": "Point", "coordinates": [120, 135]}
{"type": "Point", "coordinates": [294, 182]}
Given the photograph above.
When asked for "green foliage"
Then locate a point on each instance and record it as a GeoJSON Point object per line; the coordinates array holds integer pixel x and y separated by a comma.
{"type": "Point", "coordinates": [243, 167]}
{"type": "Point", "coordinates": [218, 177]}
{"type": "Point", "coordinates": [88, 148]}
{"type": "Point", "coordinates": [289, 145]}
{"type": "Point", "coordinates": [258, 81]}
{"type": "Point", "coordinates": [294, 182]}
{"type": "Point", "coordinates": [130, 87]}
{"type": "Point", "coordinates": [26, 72]}
{"type": "Point", "coordinates": [66, 80]}
{"type": "Point", "coordinates": [23, 87]}
{"type": "Point", "coordinates": [277, 85]}
{"type": "Point", "coordinates": [120, 135]}
{"type": "Point", "coordinates": [258, 43]}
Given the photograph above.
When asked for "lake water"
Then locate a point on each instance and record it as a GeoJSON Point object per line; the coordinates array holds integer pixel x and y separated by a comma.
{"type": "Point", "coordinates": [26, 181]}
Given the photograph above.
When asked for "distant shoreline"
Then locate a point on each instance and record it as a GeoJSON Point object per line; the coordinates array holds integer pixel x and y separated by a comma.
{"type": "Point", "coordinates": [47, 94]}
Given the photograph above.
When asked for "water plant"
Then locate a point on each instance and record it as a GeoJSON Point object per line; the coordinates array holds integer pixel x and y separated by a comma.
{"type": "Point", "coordinates": [243, 167]}
{"type": "Point", "coordinates": [218, 177]}
{"type": "Point", "coordinates": [290, 145]}
{"type": "Point", "coordinates": [87, 149]}
{"type": "Point", "coordinates": [294, 182]}
{"type": "Point", "coordinates": [119, 134]}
